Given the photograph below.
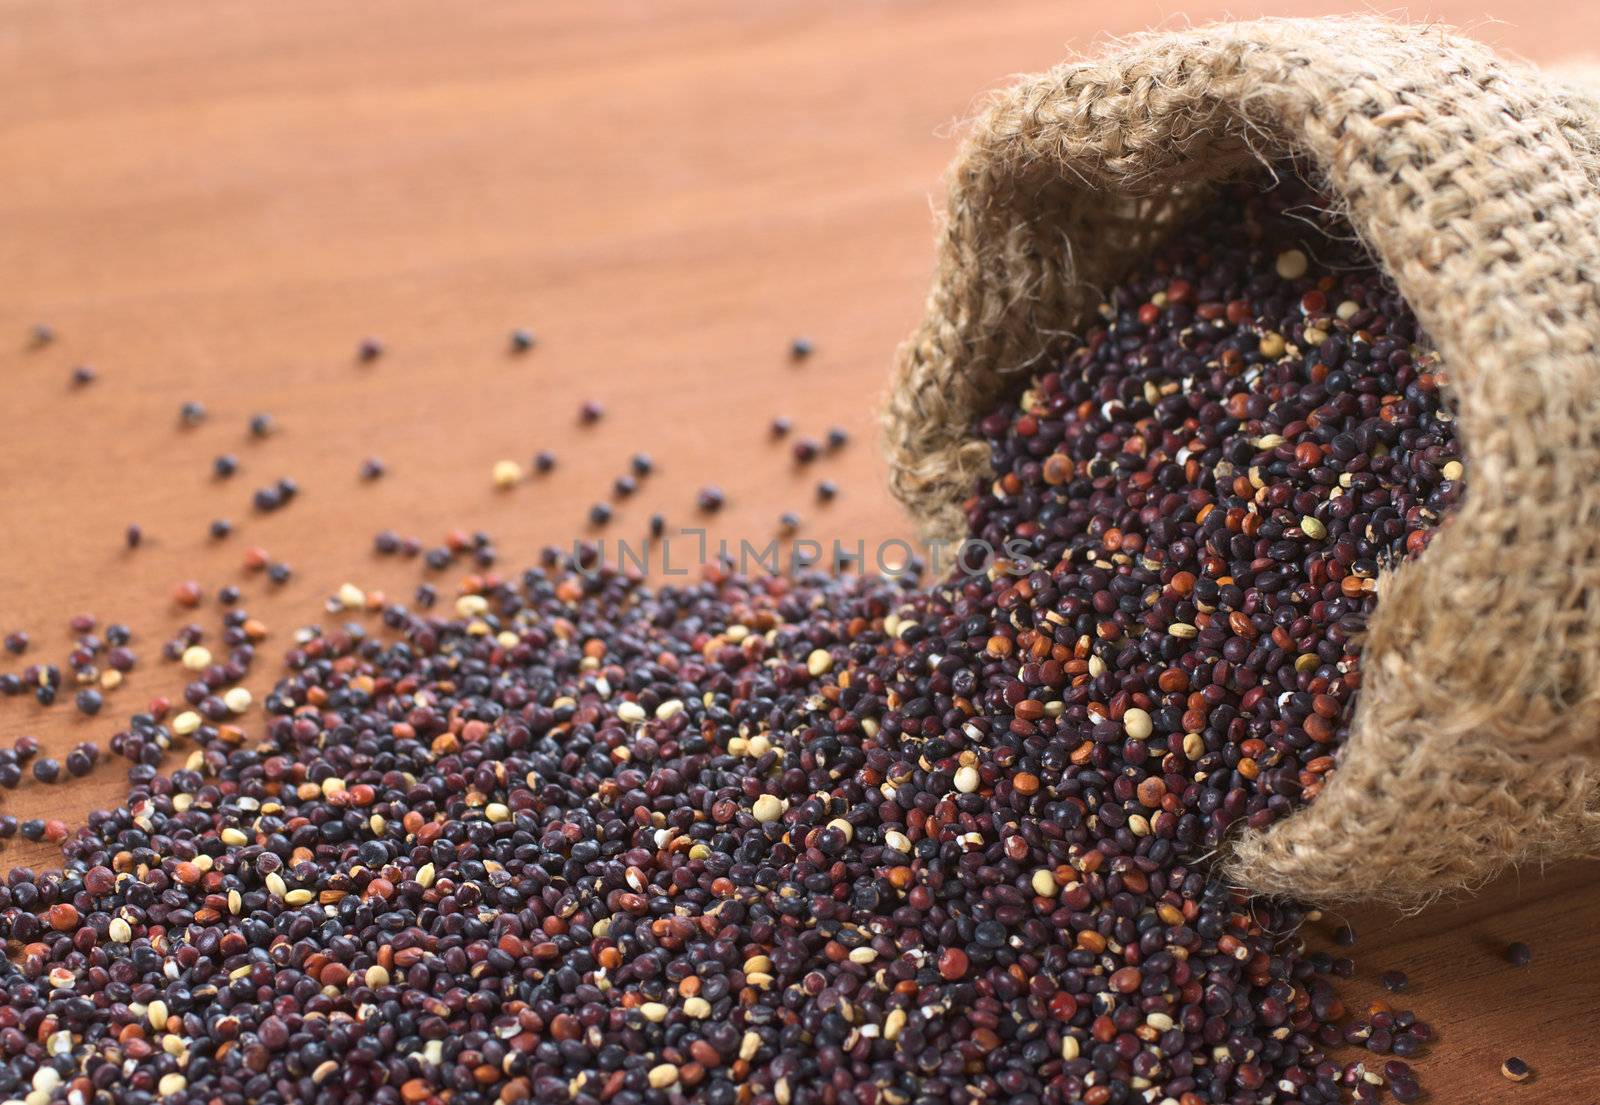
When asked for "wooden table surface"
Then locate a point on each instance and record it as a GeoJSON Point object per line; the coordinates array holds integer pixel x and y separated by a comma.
{"type": "Point", "coordinates": [217, 203]}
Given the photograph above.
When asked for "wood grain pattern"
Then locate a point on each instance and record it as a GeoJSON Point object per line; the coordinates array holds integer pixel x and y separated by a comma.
{"type": "Point", "coordinates": [217, 202]}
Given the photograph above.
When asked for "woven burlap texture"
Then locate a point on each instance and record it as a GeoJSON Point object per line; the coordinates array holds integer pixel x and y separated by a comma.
{"type": "Point", "coordinates": [1472, 181]}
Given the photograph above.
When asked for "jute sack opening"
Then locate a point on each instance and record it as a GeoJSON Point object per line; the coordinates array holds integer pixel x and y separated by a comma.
{"type": "Point", "coordinates": [1476, 739]}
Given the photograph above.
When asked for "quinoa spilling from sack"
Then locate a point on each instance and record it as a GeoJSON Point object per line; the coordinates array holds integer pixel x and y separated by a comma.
{"type": "Point", "coordinates": [814, 842]}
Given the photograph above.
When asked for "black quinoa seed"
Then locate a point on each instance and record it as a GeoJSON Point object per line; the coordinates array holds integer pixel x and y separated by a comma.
{"type": "Point", "coordinates": [574, 838]}
{"type": "Point", "coordinates": [1518, 954]}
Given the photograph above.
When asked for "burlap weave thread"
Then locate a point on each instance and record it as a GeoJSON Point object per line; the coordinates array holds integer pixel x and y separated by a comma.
{"type": "Point", "coordinates": [1476, 740]}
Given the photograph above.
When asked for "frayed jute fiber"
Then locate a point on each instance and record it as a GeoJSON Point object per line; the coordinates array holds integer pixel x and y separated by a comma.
{"type": "Point", "coordinates": [1472, 181]}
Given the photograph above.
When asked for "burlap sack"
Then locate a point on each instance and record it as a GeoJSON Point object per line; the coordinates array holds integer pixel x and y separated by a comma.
{"type": "Point", "coordinates": [1472, 181]}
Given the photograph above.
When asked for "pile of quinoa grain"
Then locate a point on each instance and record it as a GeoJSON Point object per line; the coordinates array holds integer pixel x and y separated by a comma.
{"type": "Point", "coordinates": [820, 841]}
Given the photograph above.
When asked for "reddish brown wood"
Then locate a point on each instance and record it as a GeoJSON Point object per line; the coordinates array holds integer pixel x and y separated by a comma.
{"type": "Point", "coordinates": [219, 201]}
